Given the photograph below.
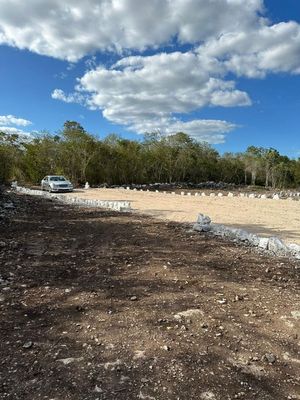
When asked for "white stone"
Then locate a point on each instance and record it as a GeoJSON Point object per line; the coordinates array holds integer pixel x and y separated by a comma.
{"type": "Point", "coordinates": [263, 243]}
{"type": "Point", "coordinates": [295, 314]}
{"type": "Point", "coordinates": [203, 219]}
{"type": "Point", "coordinates": [220, 194]}
{"type": "Point", "coordinates": [189, 313]}
{"type": "Point", "coordinates": [201, 228]}
{"type": "Point", "coordinates": [277, 246]}
{"type": "Point", "coordinates": [69, 360]}
{"type": "Point", "coordinates": [207, 396]}
{"type": "Point", "coordinates": [230, 194]}
{"type": "Point", "coordinates": [114, 205]}
{"type": "Point", "coordinates": [294, 249]}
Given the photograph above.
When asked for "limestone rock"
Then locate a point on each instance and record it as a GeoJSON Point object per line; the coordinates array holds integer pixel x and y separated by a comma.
{"type": "Point", "coordinates": [203, 219]}
{"type": "Point", "coordinates": [277, 246]}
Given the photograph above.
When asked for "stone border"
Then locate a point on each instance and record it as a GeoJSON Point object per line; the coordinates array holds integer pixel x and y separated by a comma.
{"type": "Point", "coordinates": [270, 244]}
{"type": "Point", "coordinates": [123, 206]}
{"type": "Point", "coordinates": [271, 196]}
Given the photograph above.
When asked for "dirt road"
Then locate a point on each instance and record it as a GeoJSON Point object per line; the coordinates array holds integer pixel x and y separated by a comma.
{"type": "Point", "coordinates": [102, 305]}
{"type": "Point", "coordinates": [264, 217]}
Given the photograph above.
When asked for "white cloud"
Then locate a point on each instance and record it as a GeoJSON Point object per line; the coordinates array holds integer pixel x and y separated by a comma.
{"type": "Point", "coordinates": [256, 52]}
{"type": "Point", "coordinates": [144, 93]}
{"type": "Point", "coordinates": [70, 29]}
{"type": "Point", "coordinates": [224, 36]}
{"type": "Point", "coordinates": [12, 120]}
{"type": "Point", "coordinates": [159, 84]}
{"type": "Point", "coordinates": [12, 130]}
{"type": "Point", "coordinates": [10, 124]}
{"type": "Point", "coordinates": [76, 97]}
{"type": "Point", "coordinates": [211, 131]}
{"type": "Point", "coordinates": [232, 32]}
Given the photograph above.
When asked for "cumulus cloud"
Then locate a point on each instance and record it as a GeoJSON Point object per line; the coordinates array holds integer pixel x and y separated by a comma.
{"type": "Point", "coordinates": [225, 37]}
{"type": "Point", "coordinates": [233, 33]}
{"type": "Point", "coordinates": [144, 93]}
{"type": "Point", "coordinates": [12, 120]}
{"type": "Point", "coordinates": [10, 130]}
{"type": "Point", "coordinates": [71, 29]}
{"type": "Point", "coordinates": [75, 97]}
{"type": "Point", "coordinates": [159, 84]}
{"type": "Point", "coordinates": [255, 53]}
{"type": "Point", "coordinates": [211, 131]}
{"type": "Point", "coordinates": [10, 124]}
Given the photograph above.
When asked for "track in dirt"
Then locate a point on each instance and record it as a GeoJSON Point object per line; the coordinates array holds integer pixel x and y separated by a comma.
{"type": "Point", "coordinates": [103, 305]}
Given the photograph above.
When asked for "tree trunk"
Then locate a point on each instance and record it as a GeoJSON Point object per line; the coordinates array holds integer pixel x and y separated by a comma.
{"type": "Point", "coordinates": [253, 178]}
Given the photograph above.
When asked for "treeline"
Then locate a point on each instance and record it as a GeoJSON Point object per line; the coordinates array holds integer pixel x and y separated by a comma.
{"type": "Point", "coordinates": [178, 158]}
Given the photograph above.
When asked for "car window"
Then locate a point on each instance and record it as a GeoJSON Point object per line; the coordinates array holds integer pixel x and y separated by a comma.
{"type": "Point", "coordinates": [57, 178]}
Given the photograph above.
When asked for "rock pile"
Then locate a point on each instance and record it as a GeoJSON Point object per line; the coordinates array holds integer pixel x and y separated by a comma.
{"type": "Point", "coordinates": [272, 244]}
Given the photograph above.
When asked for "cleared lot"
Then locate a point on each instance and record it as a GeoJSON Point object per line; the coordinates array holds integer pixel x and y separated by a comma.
{"type": "Point", "coordinates": [110, 306]}
{"type": "Point", "coordinates": [264, 217]}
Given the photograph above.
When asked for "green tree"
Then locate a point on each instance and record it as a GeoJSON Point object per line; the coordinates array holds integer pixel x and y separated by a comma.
{"type": "Point", "coordinates": [77, 149]}
{"type": "Point", "coordinates": [11, 157]}
{"type": "Point", "coordinates": [252, 162]}
{"type": "Point", "coordinates": [231, 168]}
{"type": "Point", "coordinates": [42, 157]}
{"type": "Point", "coordinates": [271, 158]}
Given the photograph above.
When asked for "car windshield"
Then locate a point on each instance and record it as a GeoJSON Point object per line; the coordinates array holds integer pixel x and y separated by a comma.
{"type": "Point", "coordinates": [57, 178]}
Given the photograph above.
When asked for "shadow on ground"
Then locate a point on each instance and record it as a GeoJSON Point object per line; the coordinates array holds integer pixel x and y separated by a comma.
{"type": "Point", "coordinates": [93, 306]}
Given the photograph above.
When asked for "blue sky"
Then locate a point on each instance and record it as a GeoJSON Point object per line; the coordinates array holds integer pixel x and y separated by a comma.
{"type": "Point", "coordinates": [224, 71]}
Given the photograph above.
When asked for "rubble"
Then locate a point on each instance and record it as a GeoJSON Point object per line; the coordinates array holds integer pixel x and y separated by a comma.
{"type": "Point", "coordinates": [271, 244]}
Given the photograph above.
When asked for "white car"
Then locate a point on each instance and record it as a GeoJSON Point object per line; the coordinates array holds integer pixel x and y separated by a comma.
{"type": "Point", "coordinates": [56, 183]}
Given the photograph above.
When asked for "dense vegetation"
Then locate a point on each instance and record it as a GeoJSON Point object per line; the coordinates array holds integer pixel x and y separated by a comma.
{"type": "Point", "coordinates": [114, 160]}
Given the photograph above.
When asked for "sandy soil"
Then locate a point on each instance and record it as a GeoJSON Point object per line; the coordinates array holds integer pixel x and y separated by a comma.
{"type": "Point", "coordinates": [264, 217]}
{"type": "Point", "coordinates": [98, 305]}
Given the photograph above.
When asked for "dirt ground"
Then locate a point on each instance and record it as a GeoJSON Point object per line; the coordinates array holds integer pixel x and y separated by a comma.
{"type": "Point", "coordinates": [264, 217]}
{"type": "Point", "coordinates": [103, 305]}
